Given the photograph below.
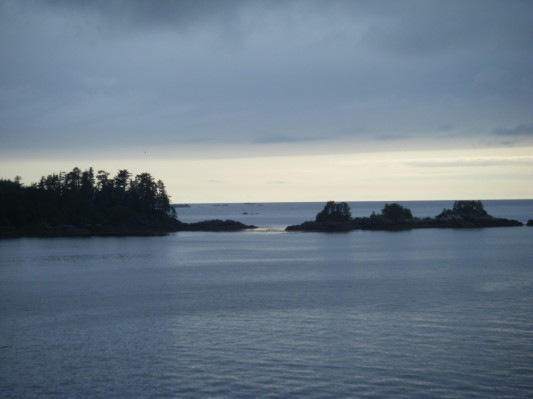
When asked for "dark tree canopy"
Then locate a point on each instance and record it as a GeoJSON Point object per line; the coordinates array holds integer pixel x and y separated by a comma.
{"type": "Point", "coordinates": [334, 212]}
{"type": "Point", "coordinates": [396, 212]}
{"type": "Point", "coordinates": [466, 210]}
{"type": "Point", "coordinates": [82, 198]}
{"type": "Point", "coordinates": [469, 208]}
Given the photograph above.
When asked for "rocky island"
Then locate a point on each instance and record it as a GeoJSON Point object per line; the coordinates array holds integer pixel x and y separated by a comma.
{"type": "Point", "coordinates": [464, 214]}
{"type": "Point", "coordinates": [82, 203]}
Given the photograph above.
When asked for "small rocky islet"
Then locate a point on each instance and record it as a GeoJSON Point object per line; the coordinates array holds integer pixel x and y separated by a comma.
{"type": "Point", "coordinates": [336, 217]}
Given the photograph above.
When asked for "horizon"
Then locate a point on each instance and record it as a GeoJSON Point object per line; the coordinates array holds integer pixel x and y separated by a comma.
{"type": "Point", "coordinates": [253, 101]}
{"type": "Point", "coordinates": [347, 201]}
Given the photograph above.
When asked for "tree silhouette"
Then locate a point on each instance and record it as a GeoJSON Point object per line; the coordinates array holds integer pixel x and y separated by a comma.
{"type": "Point", "coordinates": [79, 198]}
{"type": "Point", "coordinates": [396, 212]}
{"type": "Point", "coordinates": [469, 208]}
{"type": "Point", "coordinates": [334, 212]}
{"type": "Point", "coordinates": [465, 210]}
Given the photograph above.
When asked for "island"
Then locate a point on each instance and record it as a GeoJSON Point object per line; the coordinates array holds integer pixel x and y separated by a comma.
{"type": "Point", "coordinates": [84, 203]}
{"type": "Point", "coordinates": [336, 217]}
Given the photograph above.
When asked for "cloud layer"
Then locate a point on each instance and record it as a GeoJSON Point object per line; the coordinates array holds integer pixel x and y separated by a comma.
{"type": "Point", "coordinates": [78, 75]}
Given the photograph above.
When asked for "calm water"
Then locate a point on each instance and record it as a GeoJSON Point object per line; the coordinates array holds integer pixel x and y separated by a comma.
{"type": "Point", "coordinates": [427, 313]}
{"type": "Point", "coordinates": [279, 216]}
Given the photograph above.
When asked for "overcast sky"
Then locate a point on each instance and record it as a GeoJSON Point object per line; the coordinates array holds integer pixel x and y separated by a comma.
{"type": "Point", "coordinates": [442, 90]}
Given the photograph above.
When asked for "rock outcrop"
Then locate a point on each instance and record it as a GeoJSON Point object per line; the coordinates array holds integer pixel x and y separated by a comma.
{"type": "Point", "coordinates": [464, 214]}
{"type": "Point", "coordinates": [216, 225]}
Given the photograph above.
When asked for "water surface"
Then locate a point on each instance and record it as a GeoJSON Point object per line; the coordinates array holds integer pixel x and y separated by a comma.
{"type": "Point", "coordinates": [424, 313]}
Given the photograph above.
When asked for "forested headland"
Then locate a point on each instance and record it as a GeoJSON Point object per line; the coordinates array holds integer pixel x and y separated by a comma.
{"type": "Point", "coordinates": [84, 203]}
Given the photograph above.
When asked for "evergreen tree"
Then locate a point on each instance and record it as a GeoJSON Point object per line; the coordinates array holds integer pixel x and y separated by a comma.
{"type": "Point", "coordinates": [465, 210]}
{"type": "Point", "coordinates": [396, 212]}
{"type": "Point", "coordinates": [334, 212]}
{"type": "Point", "coordinates": [88, 184]}
{"type": "Point", "coordinates": [469, 208]}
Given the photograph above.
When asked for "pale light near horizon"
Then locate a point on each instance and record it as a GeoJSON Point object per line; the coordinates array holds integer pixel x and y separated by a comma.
{"type": "Point", "coordinates": [498, 173]}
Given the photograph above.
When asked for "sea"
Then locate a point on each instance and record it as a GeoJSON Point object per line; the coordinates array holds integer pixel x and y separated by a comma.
{"type": "Point", "coordinates": [432, 313]}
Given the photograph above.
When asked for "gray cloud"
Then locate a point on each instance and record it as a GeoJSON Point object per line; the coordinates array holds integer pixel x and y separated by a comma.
{"type": "Point", "coordinates": [390, 137]}
{"type": "Point", "coordinates": [471, 162]}
{"type": "Point", "coordinates": [137, 14]}
{"type": "Point", "coordinates": [78, 74]}
{"type": "Point", "coordinates": [519, 130]}
{"type": "Point", "coordinates": [276, 139]}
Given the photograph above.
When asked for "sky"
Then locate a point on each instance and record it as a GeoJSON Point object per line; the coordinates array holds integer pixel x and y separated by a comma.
{"type": "Point", "coordinates": [255, 100]}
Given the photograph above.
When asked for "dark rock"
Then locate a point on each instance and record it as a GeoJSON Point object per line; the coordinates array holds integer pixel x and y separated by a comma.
{"type": "Point", "coordinates": [326, 227]}
{"type": "Point", "coordinates": [216, 225]}
{"type": "Point", "coordinates": [530, 222]}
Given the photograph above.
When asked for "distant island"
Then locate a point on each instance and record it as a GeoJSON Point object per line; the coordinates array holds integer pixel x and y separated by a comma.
{"type": "Point", "coordinates": [337, 217]}
{"type": "Point", "coordinates": [85, 203]}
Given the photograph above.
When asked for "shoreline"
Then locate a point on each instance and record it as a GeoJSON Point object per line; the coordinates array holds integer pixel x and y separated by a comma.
{"type": "Point", "coordinates": [306, 227]}
{"type": "Point", "coordinates": [365, 224]}
{"type": "Point", "coordinates": [135, 230]}
{"type": "Point", "coordinates": [335, 217]}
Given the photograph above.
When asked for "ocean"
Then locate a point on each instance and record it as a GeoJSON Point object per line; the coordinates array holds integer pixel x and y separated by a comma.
{"type": "Point", "coordinates": [432, 313]}
{"type": "Point", "coordinates": [277, 216]}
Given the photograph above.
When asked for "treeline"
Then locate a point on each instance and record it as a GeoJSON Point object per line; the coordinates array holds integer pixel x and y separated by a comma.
{"type": "Point", "coordinates": [85, 198]}
{"type": "Point", "coordinates": [340, 212]}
